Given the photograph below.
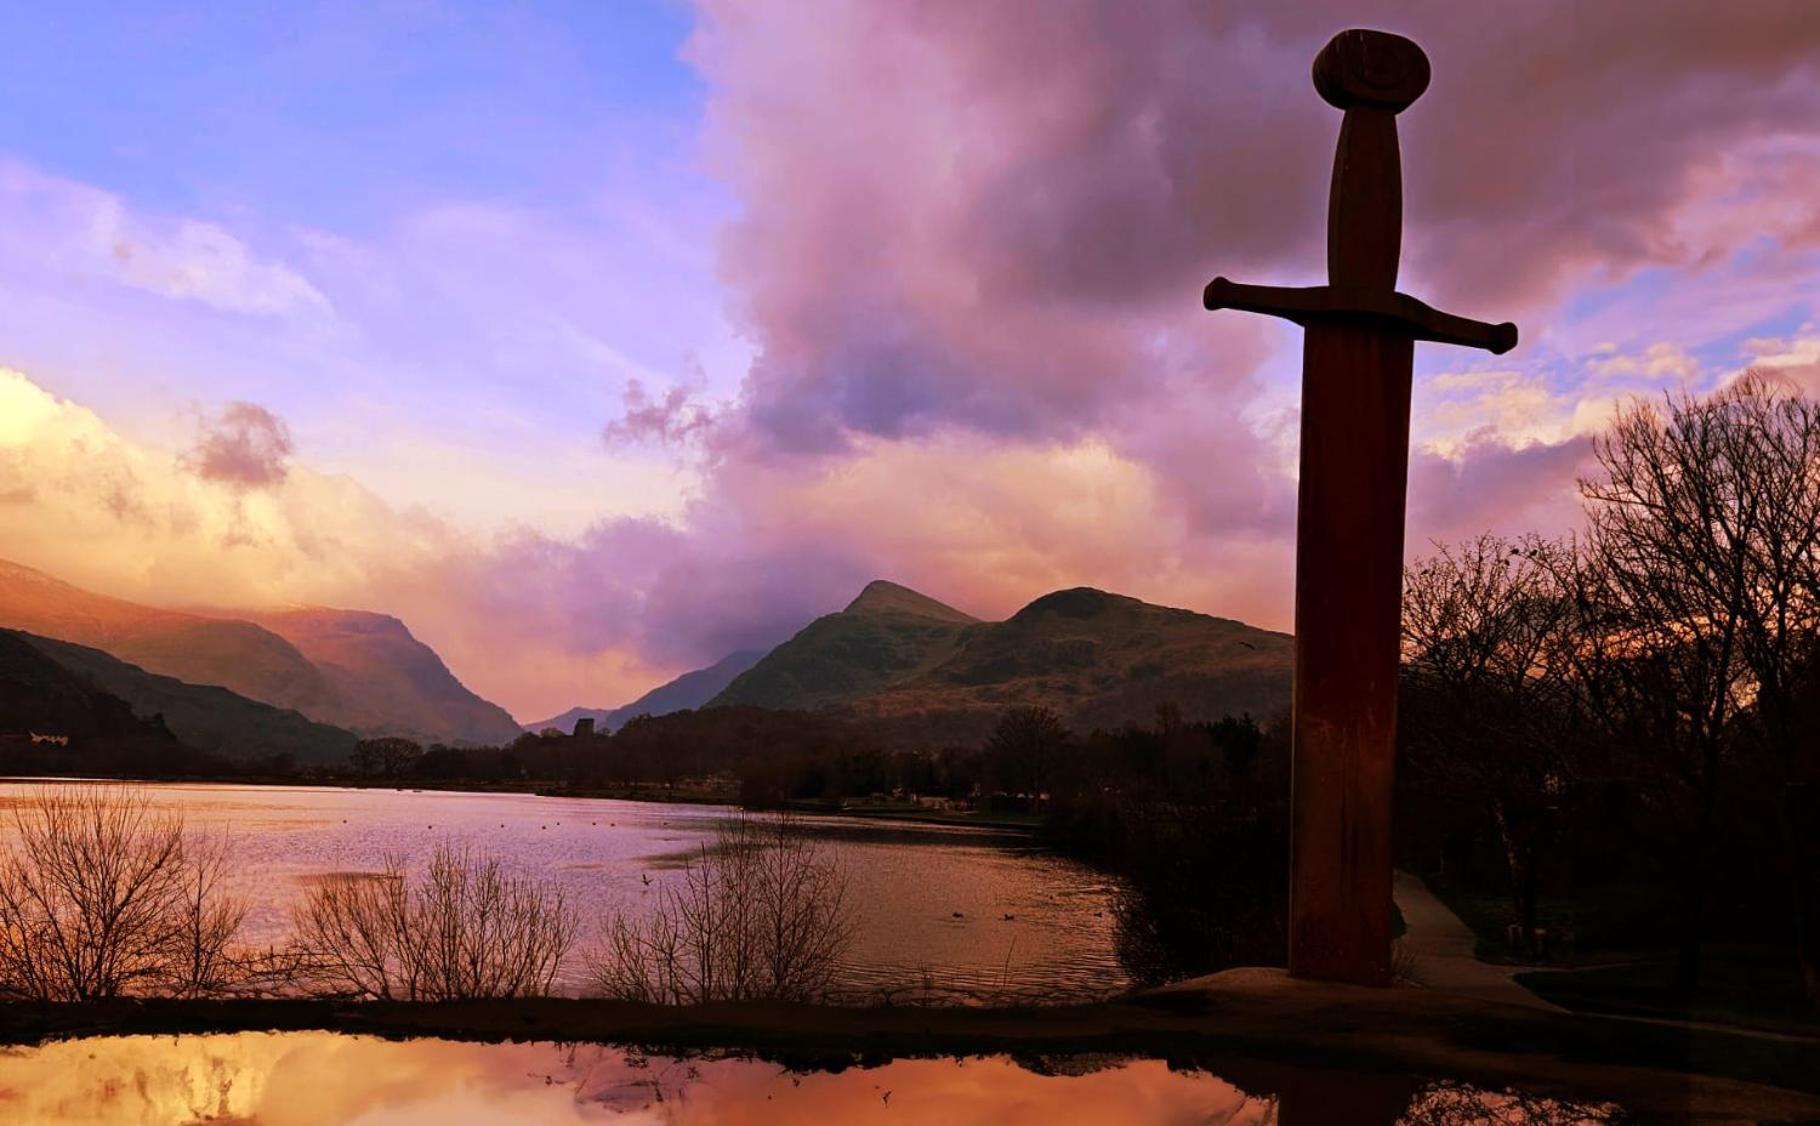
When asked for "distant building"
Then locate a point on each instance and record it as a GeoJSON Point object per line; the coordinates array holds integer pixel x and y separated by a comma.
{"type": "Point", "coordinates": [54, 740]}
{"type": "Point", "coordinates": [584, 726]}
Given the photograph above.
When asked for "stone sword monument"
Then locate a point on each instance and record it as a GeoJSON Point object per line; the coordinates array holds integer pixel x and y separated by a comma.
{"type": "Point", "coordinates": [1359, 338]}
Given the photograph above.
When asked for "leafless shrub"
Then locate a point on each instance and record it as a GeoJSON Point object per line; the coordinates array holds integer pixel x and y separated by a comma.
{"type": "Point", "coordinates": [464, 929]}
{"type": "Point", "coordinates": [101, 897]}
{"type": "Point", "coordinates": [201, 962]}
{"type": "Point", "coordinates": [761, 914]}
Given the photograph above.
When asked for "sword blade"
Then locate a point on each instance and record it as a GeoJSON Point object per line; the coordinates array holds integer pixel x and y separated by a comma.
{"type": "Point", "coordinates": [1349, 561]}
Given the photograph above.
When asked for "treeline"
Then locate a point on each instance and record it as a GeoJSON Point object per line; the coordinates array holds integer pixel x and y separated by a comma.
{"type": "Point", "coordinates": [770, 755]}
{"type": "Point", "coordinates": [1194, 819]}
{"type": "Point", "coordinates": [1629, 718]}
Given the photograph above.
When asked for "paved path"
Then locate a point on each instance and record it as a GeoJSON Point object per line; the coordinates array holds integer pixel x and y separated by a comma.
{"type": "Point", "coordinates": [1443, 950]}
{"type": "Point", "coordinates": [1444, 962]}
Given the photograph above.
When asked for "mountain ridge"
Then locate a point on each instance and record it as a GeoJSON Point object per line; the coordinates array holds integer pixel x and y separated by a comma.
{"type": "Point", "coordinates": [1096, 658]}
{"type": "Point", "coordinates": [388, 681]}
{"type": "Point", "coordinates": [886, 633]}
{"type": "Point", "coordinates": [199, 649]}
{"type": "Point", "coordinates": [364, 671]}
{"type": "Point", "coordinates": [206, 717]}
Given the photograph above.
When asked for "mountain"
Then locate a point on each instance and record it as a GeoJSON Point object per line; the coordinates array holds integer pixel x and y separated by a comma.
{"type": "Point", "coordinates": [238, 655]}
{"type": "Point", "coordinates": [1097, 660]}
{"type": "Point", "coordinates": [348, 668]}
{"type": "Point", "coordinates": [926, 673]}
{"type": "Point", "coordinates": [688, 691]}
{"type": "Point", "coordinates": [385, 680]}
{"type": "Point", "coordinates": [205, 717]}
{"type": "Point", "coordinates": [40, 696]}
{"type": "Point", "coordinates": [888, 634]}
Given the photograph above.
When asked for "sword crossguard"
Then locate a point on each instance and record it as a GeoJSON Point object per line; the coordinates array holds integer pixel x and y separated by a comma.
{"type": "Point", "coordinates": [1332, 304]}
{"type": "Point", "coordinates": [1372, 76]}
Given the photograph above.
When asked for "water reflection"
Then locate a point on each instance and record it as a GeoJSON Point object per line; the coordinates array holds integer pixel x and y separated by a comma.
{"type": "Point", "coordinates": [313, 1079]}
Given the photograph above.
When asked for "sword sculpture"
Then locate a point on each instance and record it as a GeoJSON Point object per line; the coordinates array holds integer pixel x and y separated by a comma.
{"type": "Point", "coordinates": [1358, 343]}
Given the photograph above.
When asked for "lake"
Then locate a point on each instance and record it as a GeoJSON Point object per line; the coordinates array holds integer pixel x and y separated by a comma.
{"type": "Point", "coordinates": [321, 1079]}
{"type": "Point", "coordinates": [943, 913]}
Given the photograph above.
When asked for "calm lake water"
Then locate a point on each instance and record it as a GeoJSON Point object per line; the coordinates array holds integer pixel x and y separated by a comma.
{"type": "Point", "coordinates": [969, 913]}
{"type": "Point", "coordinates": [323, 1079]}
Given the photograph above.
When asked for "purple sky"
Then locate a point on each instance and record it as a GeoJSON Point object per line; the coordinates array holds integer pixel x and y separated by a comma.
{"type": "Point", "coordinates": [597, 340]}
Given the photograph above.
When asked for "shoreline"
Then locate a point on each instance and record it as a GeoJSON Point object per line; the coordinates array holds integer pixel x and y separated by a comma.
{"type": "Point", "coordinates": [1253, 1027]}
{"type": "Point", "coordinates": [642, 794]}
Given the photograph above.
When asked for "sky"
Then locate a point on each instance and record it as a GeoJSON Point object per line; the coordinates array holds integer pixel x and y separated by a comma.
{"type": "Point", "coordinates": [598, 340]}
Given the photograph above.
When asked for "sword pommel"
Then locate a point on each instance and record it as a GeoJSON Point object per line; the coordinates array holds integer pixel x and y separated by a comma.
{"type": "Point", "coordinates": [1362, 69]}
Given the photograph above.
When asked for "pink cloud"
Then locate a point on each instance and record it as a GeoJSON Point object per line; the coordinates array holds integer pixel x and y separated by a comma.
{"type": "Point", "coordinates": [999, 215]}
{"type": "Point", "coordinates": [1493, 485]}
{"type": "Point", "coordinates": [672, 419]}
{"type": "Point", "coordinates": [245, 446]}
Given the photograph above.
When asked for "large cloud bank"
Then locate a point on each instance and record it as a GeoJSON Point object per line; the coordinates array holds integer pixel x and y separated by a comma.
{"type": "Point", "coordinates": [967, 259]}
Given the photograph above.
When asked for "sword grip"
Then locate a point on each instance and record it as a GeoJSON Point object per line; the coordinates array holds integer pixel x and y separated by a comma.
{"type": "Point", "coordinates": [1365, 204]}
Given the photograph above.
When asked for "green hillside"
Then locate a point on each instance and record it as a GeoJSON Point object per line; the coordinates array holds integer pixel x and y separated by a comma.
{"type": "Point", "coordinates": [887, 634]}
{"type": "Point", "coordinates": [926, 674]}
{"type": "Point", "coordinates": [1097, 660]}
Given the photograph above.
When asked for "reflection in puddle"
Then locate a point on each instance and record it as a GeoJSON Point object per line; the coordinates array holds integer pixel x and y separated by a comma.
{"type": "Point", "coordinates": [318, 1078]}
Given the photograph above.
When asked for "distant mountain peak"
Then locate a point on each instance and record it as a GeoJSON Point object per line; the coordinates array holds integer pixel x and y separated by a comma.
{"type": "Point", "coordinates": [882, 596]}
{"type": "Point", "coordinates": [388, 680]}
{"type": "Point", "coordinates": [1075, 602]}
{"type": "Point", "coordinates": [690, 690]}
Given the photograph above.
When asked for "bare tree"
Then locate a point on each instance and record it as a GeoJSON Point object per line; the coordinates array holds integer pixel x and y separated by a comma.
{"type": "Point", "coordinates": [201, 962]}
{"type": "Point", "coordinates": [1491, 712]}
{"type": "Point", "coordinates": [1699, 580]}
{"type": "Point", "coordinates": [464, 929]}
{"type": "Point", "coordinates": [101, 896]}
{"type": "Point", "coordinates": [761, 914]}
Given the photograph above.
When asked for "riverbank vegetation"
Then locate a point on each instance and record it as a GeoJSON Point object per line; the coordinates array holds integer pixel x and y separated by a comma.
{"type": "Point", "coordinates": [462, 928]}
{"type": "Point", "coordinates": [102, 897]}
{"type": "Point", "coordinates": [760, 915]}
